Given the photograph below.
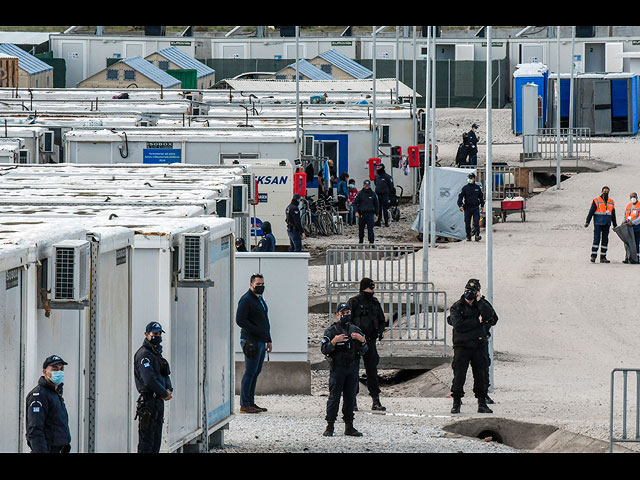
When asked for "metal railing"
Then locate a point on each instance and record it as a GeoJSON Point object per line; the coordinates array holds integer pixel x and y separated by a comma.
{"type": "Point", "coordinates": [544, 144]}
{"type": "Point", "coordinates": [625, 407]}
{"type": "Point", "coordinates": [506, 180]}
{"type": "Point", "coordinates": [416, 312]}
{"type": "Point", "coordinates": [381, 263]}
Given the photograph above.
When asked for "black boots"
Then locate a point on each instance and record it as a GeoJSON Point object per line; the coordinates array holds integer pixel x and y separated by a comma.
{"type": "Point", "coordinates": [489, 400]}
{"type": "Point", "coordinates": [478, 237]}
{"type": "Point", "coordinates": [328, 432]}
{"type": "Point", "coordinates": [350, 430]}
{"type": "Point", "coordinates": [456, 405]}
{"type": "Point", "coordinates": [377, 405]}
{"type": "Point", "coordinates": [603, 259]}
{"type": "Point", "coordinates": [482, 406]}
{"type": "Point", "coordinates": [593, 258]}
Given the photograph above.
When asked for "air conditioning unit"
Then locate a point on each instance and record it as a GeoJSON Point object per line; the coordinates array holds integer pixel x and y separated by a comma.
{"type": "Point", "coordinates": [24, 156]}
{"type": "Point", "coordinates": [47, 142]}
{"type": "Point", "coordinates": [144, 123]}
{"type": "Point", "coordinates": [194, 257]}
{"type": "Point", "coordinates": [71, 271]}
{"type": "Point", "coordinates": [249, 180]}
{"type": "Point", "coordinates": [385, 134]}
{"type": "Point", "coordinates": [223, 209]}
{"type": "Point", "coordinates": [240, 199]}
{"type": "Point", "coordinates": [195, 111]}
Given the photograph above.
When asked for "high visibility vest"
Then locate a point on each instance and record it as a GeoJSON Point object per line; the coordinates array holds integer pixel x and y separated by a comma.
{"type": "Point", "coordinates": [632, 212]}
{"type": "Point", "coordinates": [603, 208]}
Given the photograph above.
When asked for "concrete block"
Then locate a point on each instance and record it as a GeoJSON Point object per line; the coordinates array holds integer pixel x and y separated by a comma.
{"type": "Point", "coordinates": [280, 378]}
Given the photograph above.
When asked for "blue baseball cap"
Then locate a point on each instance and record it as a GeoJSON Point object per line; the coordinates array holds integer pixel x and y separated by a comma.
{"type": "Point", "coordinates": [154, 327]}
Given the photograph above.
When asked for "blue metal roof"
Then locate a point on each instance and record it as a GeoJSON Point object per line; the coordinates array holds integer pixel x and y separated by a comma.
{"type": "Point", "coordinates": [183, 60]}
{"type": "Point", "coordinates": [149, 70]}
{"type": "Point", "coordinates": [311, 71]}
{"type": "Point", "coordinates": [345, 63]}
{"type": "Point", "coordinates": [26, 61]}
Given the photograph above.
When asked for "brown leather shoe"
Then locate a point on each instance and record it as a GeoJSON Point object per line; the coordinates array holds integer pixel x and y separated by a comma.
{"type": "Point", "coordinates": [259, 408]}
{"type": "Point", "coordinates": [249, 409]}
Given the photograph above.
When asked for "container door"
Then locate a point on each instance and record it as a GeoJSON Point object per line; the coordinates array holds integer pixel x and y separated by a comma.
{"type": "Point", "coordinates": [73, 55]}
{"type": "Point", "coordinates": [594, 57]}
{"type": "Point", "coordinates": [602, 107]}
{"type": "Point", "coordinates": [10, 358]}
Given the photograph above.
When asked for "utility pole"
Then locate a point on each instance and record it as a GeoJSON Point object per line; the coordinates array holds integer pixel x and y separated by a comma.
{"type": "Point", "coordinates": [425, 224]}
{"type": "Point", "coordinates": [558, 167]}
{"type": "Point", "coordinates": [374, 139]}
{"type": "Point", "coordinates": [573, 42]}
{"type": "Point", "coordinates": [415, 115]}
{"type": "Point", "coordinates": [489, 200]}
{"type": "Point", "coordinates": [432, 177]}
{"type": "Point", "coordinates": [297, 92]}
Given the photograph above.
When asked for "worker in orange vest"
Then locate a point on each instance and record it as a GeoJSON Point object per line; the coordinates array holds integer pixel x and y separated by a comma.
{"type": "Point", "coordinates": [632, 218]}
{"type": "Point", "coordinates": [604, 213]}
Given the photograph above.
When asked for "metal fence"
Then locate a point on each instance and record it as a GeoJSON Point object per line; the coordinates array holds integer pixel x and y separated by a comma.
{"type": "Point", "coordinates": [506, 180]}
{"type": "Point", "coordinates": [352, 262]}
{"type": "Point", "coordinates": [574, 143]}
{"type": "Point", "coordinates": [625, 406]}
{"type": "Point", "coordinates": [416, 312]}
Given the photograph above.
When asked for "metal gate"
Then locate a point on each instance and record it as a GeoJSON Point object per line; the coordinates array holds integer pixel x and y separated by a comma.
{"type": "Point", "coordinates": [351, 263]}
{"type": "Point", "coordinates": [416, 312]}
{"type": "Point", "coordinates": [574, 143]}
{"type": "Point", "coordinates": [625, 406]}
{"type": "Point", "coordinates": [506, 180]}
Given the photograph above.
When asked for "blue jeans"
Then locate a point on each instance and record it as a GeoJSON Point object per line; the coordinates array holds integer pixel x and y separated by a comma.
{"type": "Point", "coordinates": [295, 241]}
{"type": "Point", "coordinates": [252, 369]}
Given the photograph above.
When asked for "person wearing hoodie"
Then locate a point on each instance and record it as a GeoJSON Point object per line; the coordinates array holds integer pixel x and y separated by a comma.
{"type": "Point", "coordinates": [367, 314]}
{"type": "Point", "coordinates": [603, 212]}
{"type": "Point", "coordinates": [268, 242]}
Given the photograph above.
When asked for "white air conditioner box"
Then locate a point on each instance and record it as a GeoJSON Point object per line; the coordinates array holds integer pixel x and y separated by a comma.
{"type": "Point", "coordinates": [70, 273]}
{"type": "Point", "coordinates": [240, 199]}
{"type": "Point", "coordinates": [194, 257]}
{"type": "Point", "coordinates": [47, 142]}
{"type": "Point", "coordinates": [24, 156]}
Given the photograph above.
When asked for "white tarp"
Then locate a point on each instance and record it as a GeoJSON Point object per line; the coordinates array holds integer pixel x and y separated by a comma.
{"type": "Point", "coordinates": [449, 219]}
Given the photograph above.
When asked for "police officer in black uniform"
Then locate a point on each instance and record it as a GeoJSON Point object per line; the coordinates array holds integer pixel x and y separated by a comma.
{"type": "Point", "coordinates": [470, 200]}
{"type": "Point", "coordinates": [294, 224]}
{"type": "Point", "coordinates": [368, 315]}
{"type": "Point", "coordinates": [384, 186]}
{"type": "Point", "coordinates": [47, 418]}
{"type": "Point", "coordinates": [151, 373]}
{"type": "Point", "coordinates": [469, 317]}
{"type": "Point", "coordinates": [473, 139]}
{"type": "Point", "coordinates": [366, 206]}
{"type": "Point", "coordinates": [343, 343]}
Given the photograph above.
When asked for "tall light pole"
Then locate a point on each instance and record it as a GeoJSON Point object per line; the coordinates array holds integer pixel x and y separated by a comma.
{"type": "Point", "coordinates": [558, 168]}
{"type": "Point", "coordinates": [297, 92]}
{"type": "Point", "coordinates": [374, 139]}
{"type": "Point", "coordinates": [489, 200]}
{"type": "Point", "coordinates": [573, 42]}
{"type": "Point", "coordinates": [432, 177]}
{"type": "Point", "coordinates": [415, 115]}
{"type": "Point", "coordinates": [425, 224]}
{"type": "Point", "coordinates": [397, 62]}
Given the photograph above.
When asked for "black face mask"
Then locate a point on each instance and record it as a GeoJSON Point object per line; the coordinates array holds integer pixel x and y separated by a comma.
{"type": "Point", "coordinates": [345, 319]}
{"type": "Point", "coordinates": [156, 340]}
{"type": "Point", "coordinates": [259, 289]}
{"type": "Point", "coordinates": [469, 294]}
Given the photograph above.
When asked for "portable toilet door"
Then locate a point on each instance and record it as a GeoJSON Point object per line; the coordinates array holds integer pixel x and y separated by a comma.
{"type": "Point", "coordinates": [623, 104]}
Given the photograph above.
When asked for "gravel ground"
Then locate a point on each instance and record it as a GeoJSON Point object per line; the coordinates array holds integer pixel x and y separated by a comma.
{"type": "Point", "coordinates": [564, 323]}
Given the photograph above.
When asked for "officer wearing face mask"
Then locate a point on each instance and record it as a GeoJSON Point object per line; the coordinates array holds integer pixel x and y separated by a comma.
{"type": "Point", "coordinates": [151, 372]}
{"type": "Point", "coordinates": [470, 201]}
{"type": "Point", "coordinates": [473, 144]}
{"type": "Point", "coordinates": [471, 317]}
{"type": "Point", "coordinates": [343, 344]}
{"type": "Point", "coordinates": [47, 419]}
{"type": "Point", "coordinates": [294, 224]}
{"type": "Point", "coordinates": [632, 219]}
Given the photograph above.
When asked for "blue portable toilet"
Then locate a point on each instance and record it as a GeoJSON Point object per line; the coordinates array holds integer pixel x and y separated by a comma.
{"type": "Point", "coordinates": [624, 103]}
{"type": "Point", "coordinates": [525, 73]}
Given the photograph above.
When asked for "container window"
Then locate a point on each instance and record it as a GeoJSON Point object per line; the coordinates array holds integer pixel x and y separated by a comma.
{"type": "Point", "coordinates": [112, 74]}
{"type": "Point", "coordinates": [129, 74]}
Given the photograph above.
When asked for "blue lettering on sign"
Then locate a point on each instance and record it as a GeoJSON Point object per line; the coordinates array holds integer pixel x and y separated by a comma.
{"type": "Point", "coordinates": [272, 180]}
{"type": "Point", "coordinates": [161, 155]}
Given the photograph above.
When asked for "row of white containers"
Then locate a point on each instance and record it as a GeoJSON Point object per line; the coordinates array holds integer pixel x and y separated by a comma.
{"type": "Point", "coordinates": [131, 278]}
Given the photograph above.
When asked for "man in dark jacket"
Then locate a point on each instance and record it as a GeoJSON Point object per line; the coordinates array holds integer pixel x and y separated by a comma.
{"type": "Point", "coordinates": [366, 206]}
{"type": "Point", "coordinates": [367, 314]}
{"type": "Point", "coordinates": [47, 418]}
{"type": "Point", "coordinates": [603, 212]}
{"type": "Point", "coordinates": [469, 316]}
{"type": "Point", "coordinates": [473, 144]}
{"type": "Point", "coordinates": [343, 343]}
{"type": "Point", "coordinates": [294, 224]}
{"type": "Point", "coordinates": [151, 374]}
{"type": "Point", "coordinates": [252, 316]}
{"type": "Point", "coordinates": [470, 201]}
{"type": "Point", "coordinates": [384, 186]}
{"type": "Point", "coordinates": [268, 242]}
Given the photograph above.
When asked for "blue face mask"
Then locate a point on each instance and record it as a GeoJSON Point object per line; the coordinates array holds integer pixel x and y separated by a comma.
{"type": "Point", "coordinates": [57, 377]}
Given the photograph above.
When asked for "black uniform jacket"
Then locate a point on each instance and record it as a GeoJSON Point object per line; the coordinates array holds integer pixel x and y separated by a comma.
{"type": "Point", "coordinates": [366, 201]}
{"type": "Point", "coordinates": [465, 319]}
{"type": "Point", "coordinates": [292, 217]}
{"type": "Point", "coordinates": [47, 418]}
{"type": "Point", "coordinates": [471, 193]}
{"type": "Point", "coordinates": [342, 353]}
{"type": "Point", "coordinates": [367, 313]}
{"type": "Point", "coordinates": [253, 318]}
{"type": "Point", "coordinates": [151, 370]}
